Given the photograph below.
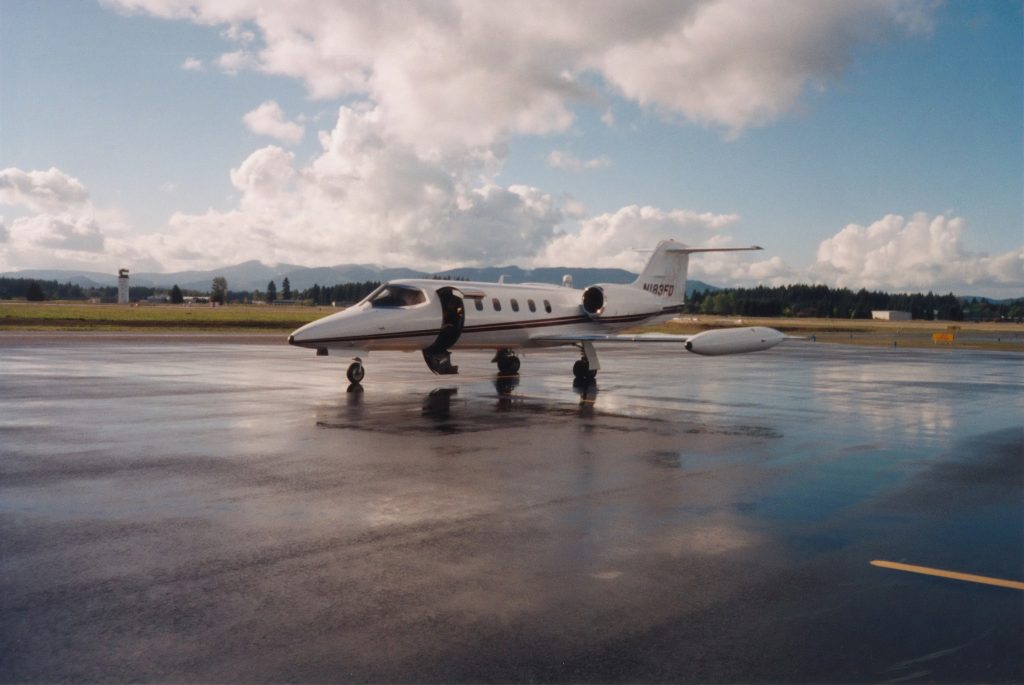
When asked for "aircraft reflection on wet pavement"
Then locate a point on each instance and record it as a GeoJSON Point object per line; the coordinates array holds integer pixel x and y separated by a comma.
{"type": "Point", "coordinates": [419, 315]}
{"type": "Point", "coordinates": [471, 408]}
{"type": "Point", "coordinates": [444, 410]}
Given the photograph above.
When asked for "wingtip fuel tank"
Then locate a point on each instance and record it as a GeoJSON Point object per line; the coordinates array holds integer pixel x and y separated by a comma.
{"type": "Point", "coordinates": [734, 340]}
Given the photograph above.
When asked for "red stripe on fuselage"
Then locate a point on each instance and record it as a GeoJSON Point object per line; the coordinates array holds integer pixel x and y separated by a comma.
{"type": "Point", "coordinates": [488, 328]}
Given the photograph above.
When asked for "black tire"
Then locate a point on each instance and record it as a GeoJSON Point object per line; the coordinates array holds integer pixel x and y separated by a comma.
{"type": "Point", "coordinates": [355, 373]}
{"type": "Point", "coordinates": [508, 364]}
{"type": "Point", "coordinates": [507, 361]}
{"type": "Point", "coordinates": [582, 371]}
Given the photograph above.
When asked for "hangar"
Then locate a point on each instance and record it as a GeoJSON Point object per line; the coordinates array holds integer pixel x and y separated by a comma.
{"type": "Point", "coordinates": [890, 315]}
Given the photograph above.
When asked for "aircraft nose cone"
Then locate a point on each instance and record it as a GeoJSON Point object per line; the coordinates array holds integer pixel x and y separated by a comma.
{"type": "Point", "coordinates": [291, 339]}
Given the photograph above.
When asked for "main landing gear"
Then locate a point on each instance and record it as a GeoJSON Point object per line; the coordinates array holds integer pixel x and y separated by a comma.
{"type": "Point", "coordinates": [587, 366]}
{"type": "Point", "coordinates": [582, 372]}
{"type": "Point", "coordinates": [355, 372]}
{"type": "Point", "coordinates": [507, 361]}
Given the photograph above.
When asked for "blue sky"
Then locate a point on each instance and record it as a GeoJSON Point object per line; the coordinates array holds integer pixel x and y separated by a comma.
{"type": "Point", "coordinates": [862, 144]}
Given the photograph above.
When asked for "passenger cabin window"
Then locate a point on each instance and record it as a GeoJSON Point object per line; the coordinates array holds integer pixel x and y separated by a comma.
{"type": "Point", "coordinates": [397, 296]}
{"type": "Point", "coordinates": [479, 304]}
{"type": "Point", "coordinates": [496, 303]}
{"type": "Point", "coordinates": [531, 305]}
{"type": "Point", "coordinates": [515, 304]}
{"type": "Point", "coordinates": [547, 306]}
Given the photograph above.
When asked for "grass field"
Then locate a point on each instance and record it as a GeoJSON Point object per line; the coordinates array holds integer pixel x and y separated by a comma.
{"type": "Point", "coordinates": [47, 316]}
{"type": "Point", "coordinates": [26, 316]}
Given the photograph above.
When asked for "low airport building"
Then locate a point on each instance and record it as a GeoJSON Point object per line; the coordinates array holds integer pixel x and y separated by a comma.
{"type": "Point", "coordinates": [890, 315]}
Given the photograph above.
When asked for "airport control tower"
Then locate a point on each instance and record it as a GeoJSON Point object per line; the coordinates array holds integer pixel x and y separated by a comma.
{"type": "Point", "coordinates": [122, 286]}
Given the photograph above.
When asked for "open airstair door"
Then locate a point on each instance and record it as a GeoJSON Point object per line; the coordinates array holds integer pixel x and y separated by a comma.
{"type": "Point", "coordinates": [453, 318]}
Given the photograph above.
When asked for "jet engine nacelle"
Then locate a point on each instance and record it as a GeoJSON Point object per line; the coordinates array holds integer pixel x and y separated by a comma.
{"type": "Point", "coordinates": [734, 340]}
{"type": "Point", "coordinates": [605, 300]}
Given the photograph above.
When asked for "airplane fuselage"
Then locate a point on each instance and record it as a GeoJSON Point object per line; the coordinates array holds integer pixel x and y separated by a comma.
{"type": "Point", "coordinates": [494, 316]}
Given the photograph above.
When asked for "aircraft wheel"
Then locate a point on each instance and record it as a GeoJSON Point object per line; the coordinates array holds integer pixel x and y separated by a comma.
{"type": "Point", "coordinates": [355, 373]}
{"type": "Point", "coordinates": [508, 361]}
{"type": "Point", "coordinates": [581, 370]}
{"type": "Point", "coordinates": [508, 364]}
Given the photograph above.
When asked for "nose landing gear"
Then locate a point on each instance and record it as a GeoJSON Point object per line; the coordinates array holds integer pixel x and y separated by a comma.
{"type": "Point", "coordinates": [355, 372]}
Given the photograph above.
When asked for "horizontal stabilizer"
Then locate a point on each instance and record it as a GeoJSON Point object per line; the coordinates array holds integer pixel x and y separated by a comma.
{"type": "Point", "coordinates": [691, 250]}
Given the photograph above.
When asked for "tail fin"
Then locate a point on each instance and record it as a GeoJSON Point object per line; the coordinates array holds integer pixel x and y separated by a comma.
{"type": "Point", "coordinates": [665, 273]}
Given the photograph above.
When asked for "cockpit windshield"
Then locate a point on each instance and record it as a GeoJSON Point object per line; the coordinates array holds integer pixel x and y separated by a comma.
{"type": "Point", "coordinates": [396, 296]}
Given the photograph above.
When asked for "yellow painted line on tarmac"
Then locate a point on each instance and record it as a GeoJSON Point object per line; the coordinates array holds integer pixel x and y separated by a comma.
{"type": "Point", "coordinates": [954, 575]}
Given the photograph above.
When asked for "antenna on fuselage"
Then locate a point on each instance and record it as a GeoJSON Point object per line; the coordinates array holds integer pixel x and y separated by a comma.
{"type": "Point", "coordinates": [567, 281]}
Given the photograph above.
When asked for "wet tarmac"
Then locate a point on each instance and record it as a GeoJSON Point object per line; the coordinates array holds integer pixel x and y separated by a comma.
{"type": "Point", "coordinates": [191, 509]}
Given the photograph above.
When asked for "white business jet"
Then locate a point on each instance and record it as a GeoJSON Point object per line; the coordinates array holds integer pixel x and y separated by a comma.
{"type": "Point", "coordinates": [436, 317]}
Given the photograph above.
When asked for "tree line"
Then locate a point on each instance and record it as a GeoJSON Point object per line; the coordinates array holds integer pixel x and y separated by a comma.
{"type": "Point", "coordinates": [788, 300]}
{"type": "Point", "coordinates": [843, 303]}
{"type": "Point", "coordinates": [341, 294]}
{"type": "Point", "coordinates": [38, 290]}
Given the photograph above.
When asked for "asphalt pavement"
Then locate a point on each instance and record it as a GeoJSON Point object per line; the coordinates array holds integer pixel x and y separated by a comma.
{"type": "Point", "coordinates": [192, 509]}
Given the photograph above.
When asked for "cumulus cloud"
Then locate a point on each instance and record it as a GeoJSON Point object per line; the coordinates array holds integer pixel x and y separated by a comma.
{"type": "Point", "coordinates": [742, 63]}
{"type": "Point", "coordinates": [362, 201]}
{"type": "Point", "coordinates": [268, 120]}
{"type": "Point", "coordinates": [466, 73]}
{"type": "Point", "coordinates": [41, 191]}
{"type": "Point", "coordinates": [62, 228]}
{"type": "Point", "coordinates": [624, 238]}
{"type": "Point", "coordinates": [75, 234]}
{"type": "Point", "coordinates": [365, 199]}
{"type": "Point", "coordinates": [409, 173]}
{"type": "Point", "coordinates": [612, 239]}
{"type": "Point", "coordinates": [359, 201]}
{"type": "Point", "coordinates": [235, 61]}
{"type": "Point", "coordinates": [920, 253]}
{"type": "Point", "coordinates": [743, 269]}
{"type": "Point", "coordinates": [238, 34]}
{"type": "Point", "coordinates": [559, 159]}
{"type": "Point", "coordinates": [264, 174]}
{"type": "Point", "coordinates": [192, 64]}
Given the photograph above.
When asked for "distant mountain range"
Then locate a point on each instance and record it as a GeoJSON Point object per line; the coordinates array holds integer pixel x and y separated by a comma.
{"type": "Point", "coordinates": [254, 275]}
